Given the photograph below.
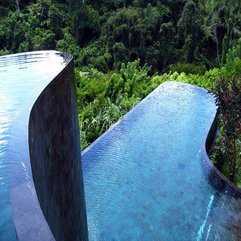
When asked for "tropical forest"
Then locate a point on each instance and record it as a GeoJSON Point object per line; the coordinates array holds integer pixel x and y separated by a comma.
{"type": "Point", "coordinates": [124, 49]}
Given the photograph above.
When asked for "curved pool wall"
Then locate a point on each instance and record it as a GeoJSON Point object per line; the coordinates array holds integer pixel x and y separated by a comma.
{"type": "Point", "coordinates": [220, 181]}
{"type": "Point", "coordinates": [149, 176]}
{"type": "Point", "coordinates": [55, 149]}
{"type": "Point", "coordinates": [41, 191]}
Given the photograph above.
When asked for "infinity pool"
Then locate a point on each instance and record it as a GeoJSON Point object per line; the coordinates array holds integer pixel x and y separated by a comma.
{"type": "Point", "coordinates": [148, 177]}
{"type": "Point", "coordinates": [22, 78]}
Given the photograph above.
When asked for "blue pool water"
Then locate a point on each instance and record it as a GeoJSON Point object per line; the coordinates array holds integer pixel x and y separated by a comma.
{"type": "Point", "coordinates": [147, 177]}
{"type": "Point", "coordinates": [22, 78]}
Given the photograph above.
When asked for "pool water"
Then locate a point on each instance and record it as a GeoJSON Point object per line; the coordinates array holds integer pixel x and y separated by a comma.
{"type": "Point", "coordinates": [147, 178]}
{"type": "Point", "coordinates": [22, 78]}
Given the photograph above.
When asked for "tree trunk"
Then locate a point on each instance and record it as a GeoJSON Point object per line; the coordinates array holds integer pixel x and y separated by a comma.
{"type": "Point", "coordinates": [233, 175]}
{"type": "Point", "coordinates": [217, 46]}
{"type": "Point", "coordinates": [17, 5]}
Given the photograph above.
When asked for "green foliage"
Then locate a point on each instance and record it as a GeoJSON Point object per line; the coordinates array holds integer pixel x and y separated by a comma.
{"type": "Point", "coordinates": [85, 24]}
{"type": "Point", "coordinates": [104, 98]}
{"type": "Point", "coordinates": [4, 52]}
{"type": "Point", "coordinates": [100, 114]}
{"type": "Point", "coordinates": [234, 53]}
{"type": "Point", "coordinates": [227, 152]}
{"type": "Point", "coordinates": [38, 27]}
{"type": "Point", "coordinates": [187, 68]}
{"type": "Point", "coordinates": [67, 44]}
{"type": "Point", "coordinates": [189, 27]}
{"type": "Point", "coordinates": [104, 34]}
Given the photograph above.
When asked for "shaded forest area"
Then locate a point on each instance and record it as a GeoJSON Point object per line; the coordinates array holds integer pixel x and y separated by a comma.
{"type": "Point", "coordinates": [104, 34]}
{"type": "Point", "coordinates": [124, 49]}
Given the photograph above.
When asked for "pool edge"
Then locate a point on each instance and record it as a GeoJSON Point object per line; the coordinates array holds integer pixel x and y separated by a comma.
{"type": "Point", "coordinates": [29, 217]}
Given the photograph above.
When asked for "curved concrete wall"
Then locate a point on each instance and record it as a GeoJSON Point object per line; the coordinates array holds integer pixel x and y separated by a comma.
{"type": "Point", "coordinates": [55, 158]}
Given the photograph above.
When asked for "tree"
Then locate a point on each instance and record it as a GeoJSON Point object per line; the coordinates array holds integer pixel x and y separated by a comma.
{"type": "Point", "coordinates": [86, 24]}
{"type": "Point", "coordinates": [119, 53]}
{"type": "Point", "coordinates": [167, 39]}
{"type": "Point", "coordinates": [188, 30]}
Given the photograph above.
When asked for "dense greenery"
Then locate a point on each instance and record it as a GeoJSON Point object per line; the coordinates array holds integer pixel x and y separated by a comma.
{"type": "Point", "coordinates": [227, 153]}
{"type": "Point", "coordinates": [124, 49]}
{"type": "Point", "coordinates": [103, 34]}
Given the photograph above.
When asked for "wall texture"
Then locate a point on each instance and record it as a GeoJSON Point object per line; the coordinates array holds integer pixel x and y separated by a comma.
{"type": "Point", "coordinates": [55, 158]}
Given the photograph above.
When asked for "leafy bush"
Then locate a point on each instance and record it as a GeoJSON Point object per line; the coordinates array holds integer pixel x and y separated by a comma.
{"type": "Point", "coordinates": [103, 98]}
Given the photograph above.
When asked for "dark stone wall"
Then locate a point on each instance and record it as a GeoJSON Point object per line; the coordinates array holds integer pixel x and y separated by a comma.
{"type": "Point", "coordinates": [54, 146]}
{"type": "Point", "coordinates": [212, 134]}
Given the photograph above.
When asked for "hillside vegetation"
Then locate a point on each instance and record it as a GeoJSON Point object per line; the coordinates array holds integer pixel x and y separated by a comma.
{"type": "Point", "coordinates": [124, 49]}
